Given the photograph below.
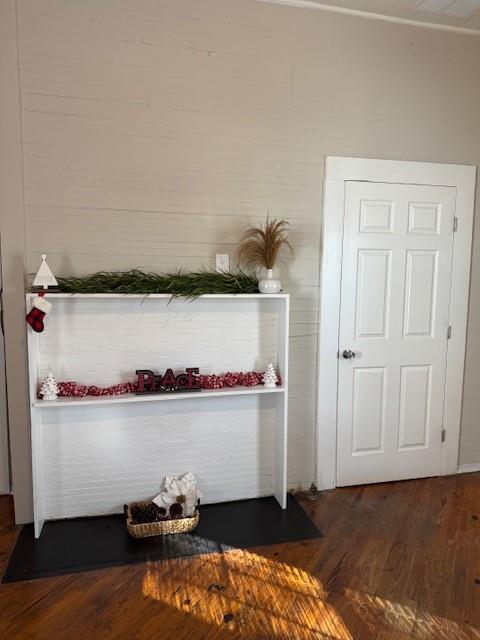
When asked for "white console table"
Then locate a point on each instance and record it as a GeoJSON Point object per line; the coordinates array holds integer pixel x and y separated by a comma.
{"type": "Point", "coordinates": [91, 455]}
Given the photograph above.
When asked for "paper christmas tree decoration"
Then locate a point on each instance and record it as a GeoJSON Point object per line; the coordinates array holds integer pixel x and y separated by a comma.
{"type": "Point", "coordinates": [49, 388]}
{"type": "Point", "coordinates": [44, 277]}
{"type": "Point", "coordinates": [270, 377]}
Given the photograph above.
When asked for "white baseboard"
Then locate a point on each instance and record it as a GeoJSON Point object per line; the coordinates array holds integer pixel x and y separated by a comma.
{"type": "Point", "coordinates": [469, 468]}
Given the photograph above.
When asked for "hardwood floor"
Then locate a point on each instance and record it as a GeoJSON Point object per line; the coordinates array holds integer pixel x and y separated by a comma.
{"type": "Point", "coordinates": [397, 561]}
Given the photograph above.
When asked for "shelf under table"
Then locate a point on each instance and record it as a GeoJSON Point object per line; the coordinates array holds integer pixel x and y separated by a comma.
{"type": "Point", "coordinates": [154, 397]}
{"type": "Point", "coordinates": [114, 454]}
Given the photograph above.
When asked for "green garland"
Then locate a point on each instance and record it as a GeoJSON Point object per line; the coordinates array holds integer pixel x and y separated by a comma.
{"type": "Point", "coordinates": [188, 285]}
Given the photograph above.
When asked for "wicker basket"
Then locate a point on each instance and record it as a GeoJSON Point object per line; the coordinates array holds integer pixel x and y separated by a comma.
{"type": "Point", "coordinates": [162, 528]}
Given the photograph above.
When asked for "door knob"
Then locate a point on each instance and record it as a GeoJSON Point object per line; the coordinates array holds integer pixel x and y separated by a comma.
{"type": "Point", "coordinates": [348, 354]}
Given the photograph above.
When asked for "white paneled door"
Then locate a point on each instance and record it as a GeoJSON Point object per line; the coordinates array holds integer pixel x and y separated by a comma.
{"type": "Point", "coordinates": [394, 319]}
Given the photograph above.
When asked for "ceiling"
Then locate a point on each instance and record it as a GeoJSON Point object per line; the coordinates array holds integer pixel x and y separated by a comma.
{"type": "Point", "coordinates": [456, 13]}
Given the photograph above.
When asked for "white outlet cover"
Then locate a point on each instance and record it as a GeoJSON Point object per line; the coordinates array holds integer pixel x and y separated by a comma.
{"type": "Point", "coordinates": [222, 262]}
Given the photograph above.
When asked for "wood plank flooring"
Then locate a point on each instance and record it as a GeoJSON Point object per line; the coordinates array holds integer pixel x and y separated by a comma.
{"type": "Point", "coordinates": [397, 561]}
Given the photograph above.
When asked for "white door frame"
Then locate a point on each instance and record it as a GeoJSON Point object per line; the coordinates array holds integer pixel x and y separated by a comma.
{"type": "Point", "coordinates": [337, 172]}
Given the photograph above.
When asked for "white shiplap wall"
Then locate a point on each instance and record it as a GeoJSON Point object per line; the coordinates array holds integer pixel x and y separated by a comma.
{"type": "Point", "coordinates": [155, 130]}
{"type": "Point", "coordinates": [95, 461]}
{"type": "Point", "coordinates": [106, 340]}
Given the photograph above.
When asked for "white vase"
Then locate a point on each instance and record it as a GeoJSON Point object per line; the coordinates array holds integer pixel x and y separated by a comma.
{"type": "Point", "coordinates": [269, 284]}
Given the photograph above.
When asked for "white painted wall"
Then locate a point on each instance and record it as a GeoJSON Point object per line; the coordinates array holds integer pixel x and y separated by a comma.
{"type": "Point", "coordinates": [4, 445]}
{"type": "Point", "coordinates": [12, 238]}
{"type": "Point", "coordinates": [154, 131]}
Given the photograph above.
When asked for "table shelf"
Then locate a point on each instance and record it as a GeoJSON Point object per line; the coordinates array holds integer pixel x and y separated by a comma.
{"type": "Point", "coordinates": [120, 446]}
{"type": "Point", "coordinates": [154, 397]}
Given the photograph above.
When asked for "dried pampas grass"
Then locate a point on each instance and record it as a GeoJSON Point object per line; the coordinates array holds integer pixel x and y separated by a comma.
{"type": "Point", "coordinates": [260, 246]}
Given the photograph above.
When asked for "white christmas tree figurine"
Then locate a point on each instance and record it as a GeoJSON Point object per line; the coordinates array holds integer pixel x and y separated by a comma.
{"type": "Point", "coordinates": [270, 377]}
{"type": "Point", "coordinates": [49, 388]}
{"type": "Point", "coordinates": [44, 277]}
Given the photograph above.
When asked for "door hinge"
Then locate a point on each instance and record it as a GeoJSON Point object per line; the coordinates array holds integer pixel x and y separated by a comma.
{"type": "Point", "coordinates": [455, 223]}
{"type": "Point", "coordinates": [449, 332]}
{"type": "Point", "coordinates": [444, 434]}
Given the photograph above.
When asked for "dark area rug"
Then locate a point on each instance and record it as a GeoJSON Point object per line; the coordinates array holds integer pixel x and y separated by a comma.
{"type": "Point", "coordinates": [83, 544]}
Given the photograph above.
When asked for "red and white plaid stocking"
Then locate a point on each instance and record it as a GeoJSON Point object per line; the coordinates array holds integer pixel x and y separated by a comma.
{"type": "Point", "coordinates": [36, 315]}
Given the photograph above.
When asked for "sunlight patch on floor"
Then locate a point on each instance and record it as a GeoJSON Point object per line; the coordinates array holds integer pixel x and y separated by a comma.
{"type": "Point", "coordinates": [406, 620]}
{"type": "Point", "coordinates": [253, 592]}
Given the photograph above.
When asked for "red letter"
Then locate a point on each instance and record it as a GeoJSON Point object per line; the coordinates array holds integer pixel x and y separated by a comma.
{"type": "Point", "coordinates": [145, 381]}
{"type": "Point", "coordinates": [168, 379]}
{"type": "Point", "coordinates": [193, 382]}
